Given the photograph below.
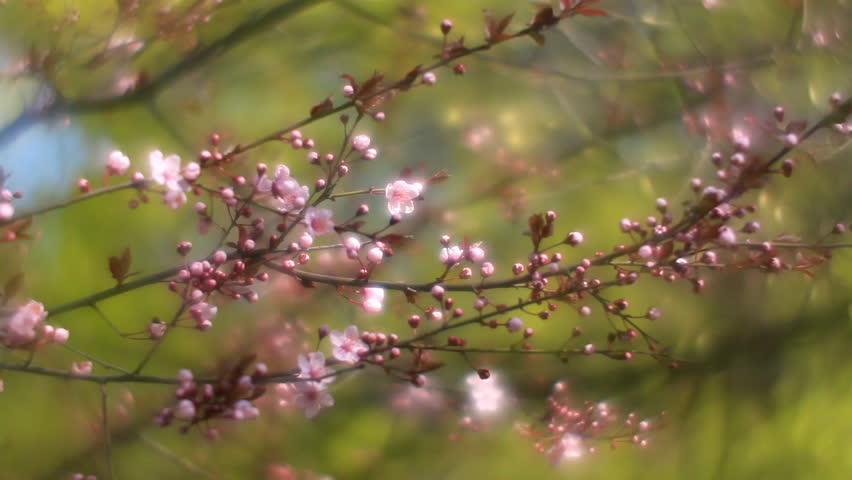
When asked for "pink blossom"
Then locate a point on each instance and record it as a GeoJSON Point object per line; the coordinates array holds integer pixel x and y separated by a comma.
{"type": "Point", "coordinates": [568, 447]}
{"type": "Point", "coordinates": [264, 183]}
{"type": "Point", "coordinates": [373, 299]}
{"type": "Point", "coordinates": [165, 170]}
{"type": "Point", "coordinates": [7, 211]}
{"type": "Point", "coordinates": [174, 198]}
{"type": "Point", "coordinates": [202, 313]}
{"type": "Point", "coordinates": [475, 253]}
{"type": "Point", "coordinates": [348, 345]}
{"type": "Point", "coordinates": [312, 397]}
{"type": "Point", "coordinates": [487, 269]}
{"type": "Point", "coordinates": [244, 410]}
{"type": "Point", "coordinates": [487, 396]}
{"type": "Point", "coordinates": [312, 365]}
{"type": "Point", "coordinates": [290, 194]}
{"type": "Point", "coordinates": [451, 255]}
{"type": "Point", "coordinates": [81, 368]}
{"type": "Point", "coordinates": [285, 188]}
{"type": "Point", "coordinates": [319, 221]}
{"type": "Point", "coordinates": [375, 255]}
{"type": "Point", "coordinates": [117, 163]}
{"type": "Point", "coordinates": [401, 195]}
{"type": "Point", "coordinates": [18, 329]}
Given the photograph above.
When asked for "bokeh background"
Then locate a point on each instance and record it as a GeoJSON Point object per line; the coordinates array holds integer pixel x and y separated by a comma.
{"type": "Point", "coordinates": [608, 115]}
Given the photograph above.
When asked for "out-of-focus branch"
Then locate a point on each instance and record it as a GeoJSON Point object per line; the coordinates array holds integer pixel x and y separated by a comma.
{"type": "Point", "coordinates": [147, 90]}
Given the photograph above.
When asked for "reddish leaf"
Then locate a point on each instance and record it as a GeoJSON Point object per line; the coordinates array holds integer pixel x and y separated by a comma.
{"type": "Point", "coordinates": [376, 100]}
{"type": "Point", "coordinates": [410, 295]}
{"type": "Point", "coordinates": [322, 108]}
{"type": "Point", "coordinates": [796, 126]}
{"type": "Point", "coordinates": [352, 81]}
{"type": "Point", "coordinates": [120, 266]}
{"type": "Point", "coordinates": [394, 239]}
{"type": "Point", "coordinates": [370, 85]}
{"type": "Point", "coordinates": [411, 76]}
{"type": "Point", "coordinates": [536, 223]}
{"type": "Point", "coordinates": [544, 18]}
{"type": "Point", "coordinates": [589, 12]}
{"type": "Point", "coordinates": [494, 29]}
{"type": "Point", "coordinates": [438, 177]}
{"type": "Point", "coordinates": [455, 48]}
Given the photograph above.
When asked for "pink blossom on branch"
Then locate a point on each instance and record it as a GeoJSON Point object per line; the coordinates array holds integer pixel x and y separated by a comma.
{"type": "Point", "coordinates": [312, 397]}
{"type": "Point", "coordinates": [19, 328]}
{"type": "Point", "coordinates": [203, 313]}
{"type": "Point", "coordinates": [318, 221]}
{"type": "Point", "coordinates": [7, 211]}
{"type": "Point", "coordinates": [81, 369]}
{"type": "Point", "coordinates": [165, 170]}
{"type": "Point", "coordinates": [348, 345]}
{"type": "Point", "coordinates": [401, 195]}
{"type": "Point", "coordinates": [373, 299]}
{"type": "Point", "coordinates": [117, 163]}
{"type": "Point", "coordinates": [313, 366]}
{"type": "Point", "coordinates": [451, 255]}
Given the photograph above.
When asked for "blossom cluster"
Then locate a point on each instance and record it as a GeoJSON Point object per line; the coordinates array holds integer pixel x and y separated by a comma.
{"type": "Point", "coordinates": [24, 328]}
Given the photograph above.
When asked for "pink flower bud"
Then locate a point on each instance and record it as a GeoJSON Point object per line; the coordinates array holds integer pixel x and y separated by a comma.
{"type": "Point", "coordinates": [726, 236]}
{"type": "Point", "coordinates": [375, 255]}
{"type": "Point", "coordinates": [7, 211]}
{"type": "Point", "coordinates": [574, 239]}
{"type": "Point", "coordinates": [306, 240]}
{"type": "Point", "coordinates": [117, 163]}
{"type": "Point", "coordinates": [360, 142]}
{"type": "Point", "coordinates": [81, 368]}
{"type": "Point", "coordinates": [514, 324]}
{"type": "Point", "coordinates": [487, 269]}
{"type": "Point", "coordinates": [185, 410]}
{"type": "Point", "coordinates": [60, 335]}
{"type": "Point", "coordinates": [191, 171]}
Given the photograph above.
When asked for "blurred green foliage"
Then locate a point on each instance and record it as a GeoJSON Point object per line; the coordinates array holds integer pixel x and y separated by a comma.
{"type": "Point", "coordinates": [608, 115]}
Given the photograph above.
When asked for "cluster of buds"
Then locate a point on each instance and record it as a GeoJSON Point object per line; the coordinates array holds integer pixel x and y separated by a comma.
{"type": "Point", "coordinates": [230, 397]}
{"type": "Point", "coordinates": [572, 431]}
{"type": "Point", "coordinates": [23, 328]}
